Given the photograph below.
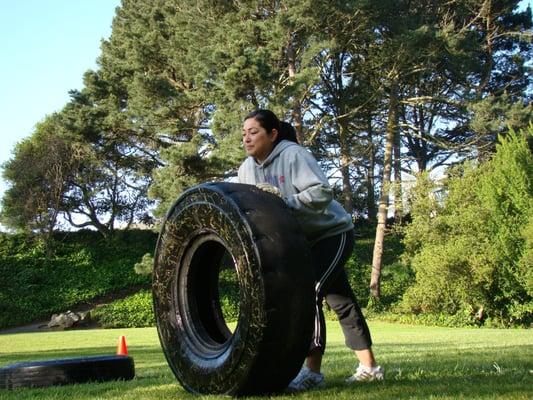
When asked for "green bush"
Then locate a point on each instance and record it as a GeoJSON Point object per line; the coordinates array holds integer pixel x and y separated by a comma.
{"type": "Point", "coordinates": [145, 266]}
{"type": "Point", "coordinates": [471, 248]}
{"type": "Point", "coordinates": [229, 294]}
{"type": "Point", "coordinates": [460, 319]}
{"type": "Point", "coordinates": [131, 312]}
{"type": "Point", "coordinates": [83, 266]}
{"type": "Point", "coordinates": [395, 276]}
{"type": "Point", "coordinates": [137, 310]}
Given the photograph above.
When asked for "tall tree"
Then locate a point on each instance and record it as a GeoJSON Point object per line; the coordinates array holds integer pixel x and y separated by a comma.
{"type": "Point", "coordinates": [38, 175]}
{"type": "Point", "coordinates": [408, 37]}
{"type": "Point", "coordinates": [111, 182]}
{"type": "Point", "coordinates": [342, 35]}
{"type": "Point", "coordinates": [375, 288]}
{"type": "Point", "coordinates": [152, 55]}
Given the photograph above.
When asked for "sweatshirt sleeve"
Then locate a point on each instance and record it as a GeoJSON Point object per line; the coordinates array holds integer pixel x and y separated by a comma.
{"type": "Point", "coordinates": [240, 173]}
{"type": "Point", "coordinates": [314, 191]}
{"type": "Point", "coordinates": [244, 175]}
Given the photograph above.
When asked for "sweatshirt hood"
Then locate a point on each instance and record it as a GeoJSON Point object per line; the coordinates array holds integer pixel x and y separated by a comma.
{"type": "Point", "coordinates": [276, 151]}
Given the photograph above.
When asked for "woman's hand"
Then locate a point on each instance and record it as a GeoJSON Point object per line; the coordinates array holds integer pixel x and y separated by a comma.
{"type": "Point", "coordinates": [267, 187]}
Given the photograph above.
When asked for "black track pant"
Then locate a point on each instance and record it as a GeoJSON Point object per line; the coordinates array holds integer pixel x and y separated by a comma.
{"type": "Point", "coordinates": [329, 256]}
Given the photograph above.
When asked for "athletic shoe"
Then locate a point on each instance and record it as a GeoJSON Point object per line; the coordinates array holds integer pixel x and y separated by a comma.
{"type": "Point", "coordinates": [306, 380]}
{"type": "Point", "coordinates": [363, 373]}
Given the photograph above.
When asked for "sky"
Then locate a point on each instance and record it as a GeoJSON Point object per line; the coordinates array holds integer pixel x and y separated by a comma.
{"type": "Point", "coordinates": [46, 47]}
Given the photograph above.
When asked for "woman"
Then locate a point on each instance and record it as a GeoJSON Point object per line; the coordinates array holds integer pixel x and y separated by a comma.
{"type": "Point", "coordinates": [276, 163]}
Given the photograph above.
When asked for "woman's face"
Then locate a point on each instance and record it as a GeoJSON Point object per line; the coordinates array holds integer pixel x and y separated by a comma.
{"type": "Point", "coordinates": [258, 143]}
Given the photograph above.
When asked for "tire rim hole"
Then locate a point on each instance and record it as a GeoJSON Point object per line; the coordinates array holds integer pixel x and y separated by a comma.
{"type": "Point", "coordinates": [229, 291]}
{"type": "Point", "coordinates": [211, 298]}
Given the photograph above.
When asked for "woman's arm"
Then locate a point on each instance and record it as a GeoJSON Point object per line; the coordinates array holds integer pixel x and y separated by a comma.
{"type": "Point", "coordinates": [314, 191]}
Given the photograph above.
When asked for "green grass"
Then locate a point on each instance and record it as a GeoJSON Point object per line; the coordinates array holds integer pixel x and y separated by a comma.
{"type": "Point", "coordinates": [420, 363]}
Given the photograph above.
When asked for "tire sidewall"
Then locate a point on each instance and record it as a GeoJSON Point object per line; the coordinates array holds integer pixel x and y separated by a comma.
{"type": "Point", "coordinates": [222, 371]}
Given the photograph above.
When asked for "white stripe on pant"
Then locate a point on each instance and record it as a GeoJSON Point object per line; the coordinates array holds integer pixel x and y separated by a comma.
{"type": "Point", "coordinates": [329, 257]}
{"type": "Point", "coordinates": [318, 287]}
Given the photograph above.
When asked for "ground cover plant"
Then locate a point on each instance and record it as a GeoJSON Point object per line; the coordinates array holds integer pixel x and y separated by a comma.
{"type": "Point", "coordinates": [420, 363]}
{"type": "Point", "coordinates": [39, 280]}
{"type": "Point", "coordinates": [81, 266]}
{"type": "Point", "coordinates": [136, 310]}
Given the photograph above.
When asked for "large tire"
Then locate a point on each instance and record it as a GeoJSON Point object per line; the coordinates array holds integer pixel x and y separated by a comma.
{"type": "Point", "coordinates": [272, 262]}
{"type": "Point", "coordinates": [66, 371]}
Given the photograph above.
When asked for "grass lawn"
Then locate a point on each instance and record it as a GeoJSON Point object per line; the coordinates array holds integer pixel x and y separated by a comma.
{"type": "Point", "coordinates": [420, 363]}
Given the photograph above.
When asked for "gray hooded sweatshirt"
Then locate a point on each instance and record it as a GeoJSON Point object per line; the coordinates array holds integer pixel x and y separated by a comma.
{"type": "Point", "coordinates": [293, 170]}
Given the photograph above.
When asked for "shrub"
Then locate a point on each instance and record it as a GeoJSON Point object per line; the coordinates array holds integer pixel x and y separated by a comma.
{"type": "Point", "coordinates": [145, 266]}
{"type": "Point", "coordinates": [229, 294]}
{"type": "Point", "coordinates": [131, 312]}
{"type": "Point", "coordinates": [471, 252]}
{"type": "Point", "coordinates": [460, 319]}
{"type": "Point", "coordinates": [137, 310]}
{"type": "Point", "coordinates": [82, 267]}
{"type": "Point", "coordinates": [395, 277]}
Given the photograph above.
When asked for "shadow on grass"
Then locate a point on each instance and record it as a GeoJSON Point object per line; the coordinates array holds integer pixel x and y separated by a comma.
{"type": "Point", "coordinates": [438, 370]}
{"type": "Point", "coordinates": [464, 386]}
{"type": "Point", "coordinates": [511, 353]}
{"type": "Point", "coordinates": [412, 371]}
{"type": "Point", "coordinates": [144, 356]}
{"type": "Point", "coordinates": [467, 386]}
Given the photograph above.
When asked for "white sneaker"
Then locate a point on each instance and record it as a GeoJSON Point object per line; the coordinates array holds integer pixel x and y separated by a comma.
{"type": "Point", "coordinates": [306, 380]}
{"type": "Point", "coordinates": [363, 373]}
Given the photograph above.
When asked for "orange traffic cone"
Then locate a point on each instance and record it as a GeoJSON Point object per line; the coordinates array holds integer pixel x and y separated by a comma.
{"type": "Point", "coordinates": [122, 349]}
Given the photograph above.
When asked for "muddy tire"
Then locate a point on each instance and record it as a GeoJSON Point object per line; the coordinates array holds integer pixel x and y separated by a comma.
{"type": "Point", "coordinates": [207, 226]}
{"type": "Point", "coordinates": [66, 371]}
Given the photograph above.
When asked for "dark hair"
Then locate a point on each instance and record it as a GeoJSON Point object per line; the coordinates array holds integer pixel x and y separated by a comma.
{"type": "Point", "coordinates": [268, 120]}
{"type": "Point", "coordinates": [287, 132]}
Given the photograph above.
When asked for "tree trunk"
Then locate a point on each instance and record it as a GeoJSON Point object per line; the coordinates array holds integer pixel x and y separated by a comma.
{"type": "Point", "coordinates": [371, 195]}
{"type": "Point", "coordinates": [345, 158]}
{"type": "Point", "coordinates": [398, 204]}
{"type": "Point", "coordinates": [486, 11]}
{"type": "Point", "coordinates": [375, 290]}
{"type": "Point", "coordinates": [296, 104]}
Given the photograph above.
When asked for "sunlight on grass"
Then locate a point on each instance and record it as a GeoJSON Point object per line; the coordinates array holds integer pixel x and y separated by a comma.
{"type": "Point", "coordinates": [420, 363]}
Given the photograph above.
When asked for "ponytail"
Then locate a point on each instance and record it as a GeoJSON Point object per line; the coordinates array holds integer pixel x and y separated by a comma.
{"type": "Point", "coordinates": [287, 132]}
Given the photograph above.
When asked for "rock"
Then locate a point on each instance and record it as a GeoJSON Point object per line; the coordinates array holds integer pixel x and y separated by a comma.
{"type": "Point", "coordinates": [69, 319]}
{"type": "Point", "coordinates": [85, 318]}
